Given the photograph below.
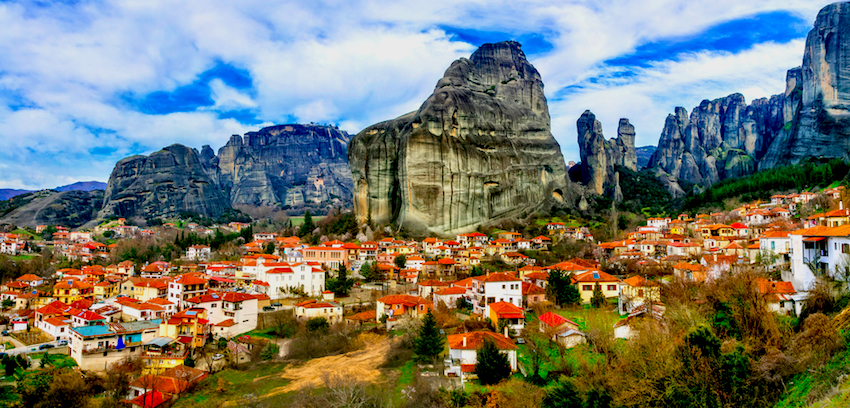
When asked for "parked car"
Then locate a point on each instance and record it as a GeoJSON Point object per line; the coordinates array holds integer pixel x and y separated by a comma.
{"type": "Point", "coordinates": [218, 356]}
{"type": "Point", "coordinates": [45, 346]}
{"type": "Point", "coordinates": [268, 309]}
{"type": "Point", "coordinates": [62, 343]}
{"type": "Point", "coordinates": [277, 304]}
{"type": "Point", "coordinates": [5, 332]}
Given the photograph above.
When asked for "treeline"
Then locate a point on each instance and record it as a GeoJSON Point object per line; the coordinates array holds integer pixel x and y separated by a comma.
{"type": "Point", "coordinates": [643, 193]}
{"type": "Point", "coordinates": [763, 184]}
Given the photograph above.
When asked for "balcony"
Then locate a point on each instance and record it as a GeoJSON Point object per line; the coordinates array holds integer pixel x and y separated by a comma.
{"type": "Point", "coordinates": [111, 348]}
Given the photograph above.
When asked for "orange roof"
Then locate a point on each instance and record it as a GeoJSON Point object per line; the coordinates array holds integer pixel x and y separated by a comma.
{"type": "Point", "coordinates": [689, 266]}
{"type": "Point", "coordinates": [29, 277]}
{"type": "Point", "coordinates": [454, 290]}
{"type": "Point", "coordinates": [555, 320]}
{"type": "Point", "coordinates": [637, 281]}
{"type": "Point", "coordinates": [409, 300]}
{"type": "Point", "coordinates": [496, 277]}
{"type": "Point", "coordinates": [433, 282]}
{"type": "Point", "coordinates": [531, 289]}
{"type": "Point", "coordinates": [474, 340]}
{"type": "Point", "coordinates": [366, 316]}
{"type": "Point", "coordinates": [821, 231]}
{"type": "Point", "coordinates": [506, 310]}
{"type": "Point", "coordinates": [594, 276]}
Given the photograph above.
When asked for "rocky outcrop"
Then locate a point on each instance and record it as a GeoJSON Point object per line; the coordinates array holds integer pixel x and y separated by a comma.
{"type": "Point", "coordinates": [286, 165]}
{"type": "Point", "coordinates": [477, 151]}
{"type": "Point", "coordinates": [600, 158]}
{"type": "Point", "coordinates": [818, 118]}
{"type": "Point", "coordinates": [71, 208]}
{"type": "Point", "coordinates": [164, 184]}
{"type": "Point", "coordinates": [721, 138]}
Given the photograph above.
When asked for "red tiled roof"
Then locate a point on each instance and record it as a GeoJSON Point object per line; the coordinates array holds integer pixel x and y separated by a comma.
{"type": "Point", "coordinates": [496, 277]}
{"type": "Point", "coordinates": [454, 290]}
{"type": "Point", "coordinates": [531, 289]}
{"type": "Point", "coordinates": [555, 320]}
{"type": "Point", "coordinates": [474, 340]}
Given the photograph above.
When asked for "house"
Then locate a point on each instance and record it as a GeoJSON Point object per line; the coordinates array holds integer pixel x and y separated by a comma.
{"type": "Point", "coordinates": [95, 347]}
{"type": "Point", "coordinates": [309, 309]}
{"type": "Point", "coordinates": [427, 287]}
{"type": "Point", "coordinates": [329, 257]}
{"type": "Point", "coordinates": [155, 270]}
{"type": "Point", "coordinates": [56, 327]}
{"type": "Point", "coordinates": [151, 399]}
{"type": "Point", "coordinates": [396, 307]}
{"type": "Point", "coordinates": [449, 295]}
{"type": "Point", "coordinates": [189, 327]}
{"type": "Point", "coordinates": [241, 309]}
{"type": "Point", "coordinates": [184, 287]}
{"type": "Point", "coordinates": [163, 353]}
{"type": "Point", "coordinates": [532, 294]}
{"type": "Point", "coordinates": [825, 248]}
{"type": "Point", "coordinates": [586, 281]}
{"type": "Point", "coordinates": [627, 328]}
{"type": "Point", "coordinates": [780, 297]}
{"type": "Point", "coordinates": [690, 271]}
{"type": "Point", "coordinates": [31, 280]}
{"type": "Point", "coordinates": [563, 330]}
{"type": "Point", "coordinates": [287, 279]}
{"type": "Point", "coordinates": [463, 350]}
{"type": "Point", "coordinates": [495, 287]}
{"type": "Point", "coordinates": [636, 291]}
{"type": "Point", "coordinates": [685, 249]}
{"type": "Point", "coordinates": [198, 253]}
{"type": "Point", "coordinates": [508, 314]}
{"type": "Point", "coordinates": [69, 291]}
{"type": "Point", "coordinates": [146, 289]}
{"type": "Point", "coordinates": [171, 382]}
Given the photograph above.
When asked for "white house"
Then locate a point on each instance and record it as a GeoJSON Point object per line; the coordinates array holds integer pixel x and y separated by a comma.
{"type": "Point", "coordinates": [229, 313]}
{"type": "Point", "coordinates": [184, 287]}
{"type": "Point", "coordinates": [495, 287]}
{"type": "Point", "coordinates": [309, 309]}
{"type": "Point", "coordinates": [198, 252]}
{"type": "Point", "coordinates": [284, 277]}
{"type": "Point", "coordinates": [826, 248]}
{"type": "Point", "coordinates": [463, 350]}
{"type": "Point", "coordinates": [58, 328]}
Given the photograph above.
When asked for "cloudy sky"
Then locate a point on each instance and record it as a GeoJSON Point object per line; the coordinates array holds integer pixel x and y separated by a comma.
{"type": "Point", "coordinates": [85, 83]}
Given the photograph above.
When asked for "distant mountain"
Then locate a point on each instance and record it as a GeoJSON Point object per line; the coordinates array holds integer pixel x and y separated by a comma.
{"type": "Point", "coordinates": [83, 186]}
{"type": "Point", "coordinates": [8, 193]}
{"type": "Point", "coordinates": [643, 155]}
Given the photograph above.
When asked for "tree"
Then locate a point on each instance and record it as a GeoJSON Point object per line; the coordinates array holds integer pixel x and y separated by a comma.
{"type": "Point", "coordinates": [222, 343]}
{"type": "Point", "coordinates": [492, 366]}
{"type": "Point", "coordinates": [560, 288]}
{"type": "Point", "coordinates": [7, 303]}
{"type": "Point", "coordinates": [371, 272]}
{"type": "Point", "coordinates": [429, 344]}
{"type": "Point", "coordinates": [189, 361]}
{"type": "Point", "coordinates": [400, 261]}
{"type": "Point", "coordinates": [268, 248]}
{"type": "Point", "coordinates": [270, 351]}
{"type": "Point", "coordinates": [341, 284]}
{"type": "Point", "coordinates": [563, 394]}
{"type": "Point", "coordinates": [318, 324]}
{"type": "Point", "coordinates": [598, 298]}
{"type": "Point", "coordinates": [307, 226]}
{"type": "Point", "coordinates": [462, 303]}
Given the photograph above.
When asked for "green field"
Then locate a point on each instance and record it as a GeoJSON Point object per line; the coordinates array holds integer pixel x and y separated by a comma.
{"type": "Point", "coordinates": [233, 386]}
{"type": "Point", "coordinates": [300, 220]}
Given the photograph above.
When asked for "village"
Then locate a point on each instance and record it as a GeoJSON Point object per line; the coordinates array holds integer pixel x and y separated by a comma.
{"type": "Point", "coordinates": [166, 313]}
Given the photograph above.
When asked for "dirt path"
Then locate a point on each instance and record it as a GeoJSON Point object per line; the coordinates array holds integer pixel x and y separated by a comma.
{"type": "Point", "coordinates": [361, 365]}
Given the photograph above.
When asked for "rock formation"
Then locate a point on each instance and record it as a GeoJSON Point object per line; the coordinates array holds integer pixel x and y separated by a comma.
{"type": "Point", "coordinates": [600, 158]}
{"type": "Point", "coordinates": [280, 166]}
{"type": "Point", "coordinates": [818, 116]}
{"type": "Point", "coordinates": [71, 208]}
{"type": "Point", "coordinates": [726, 138]}
{"type": "Point", "coordinates": [721, 138]}
{"type": "Point", "coordinates": [285, 165]}
{"type": "Point", "coordinates": [478, 150]}
{"type": "Point", "coordinates": [163, 184]}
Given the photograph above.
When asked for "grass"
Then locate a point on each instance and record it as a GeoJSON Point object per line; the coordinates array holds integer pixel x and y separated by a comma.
{"type": "Point", "coordinates": [300, 220]}
{"type": "Point", "coordinates": [582, 314]}
{"type": "Point", "coordinates": [22, 257]}
{"type": "Point", "coordinates": [56, 360]}
{"type": "Point", "coordinates": [819, 381]}
{"type": "Point", "coordinates": [267, 333]}
{"type": "Point", "coordinates": [258, 380]}
{"type": "Point", "coordinates": [407, 374]}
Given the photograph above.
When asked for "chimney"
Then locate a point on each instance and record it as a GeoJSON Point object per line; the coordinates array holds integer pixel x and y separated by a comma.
{"type": "Point", "coordinates": [464, 341]}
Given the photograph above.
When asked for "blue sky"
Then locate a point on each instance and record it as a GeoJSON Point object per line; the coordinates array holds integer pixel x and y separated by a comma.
{"type": "Point", "coordinates": [86, 83]}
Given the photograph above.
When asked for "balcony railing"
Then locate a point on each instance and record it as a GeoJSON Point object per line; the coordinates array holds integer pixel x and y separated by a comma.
{"type": "Point", "coordinates": [111, 348]}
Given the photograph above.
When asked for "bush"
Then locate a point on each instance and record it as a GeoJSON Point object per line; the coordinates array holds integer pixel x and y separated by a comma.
{"type": "Point", "coordinates": [318, 324]}
{"type": "Point", "coordinates": [270, 351]}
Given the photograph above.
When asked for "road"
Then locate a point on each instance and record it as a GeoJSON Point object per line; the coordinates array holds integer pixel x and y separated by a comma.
{"type": "Point", "coordinates": [35, 349]}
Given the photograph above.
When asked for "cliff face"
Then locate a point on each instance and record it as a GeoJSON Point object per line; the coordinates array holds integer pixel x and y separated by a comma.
{"type": "Point", "coordinates": [286, 165]}
{"type": "Point", "coordinates": [71, 208]}
{"type": "Point", "coordinates": [600, 157]}
{"type": "Point", "coordinates": [478, 150]}
{"type": "Point", "coordinates": [721, 138]}
{"type": "Point", "coordinates": [820, 123]}
{"type": "Point", "coordinates": [163, 184]}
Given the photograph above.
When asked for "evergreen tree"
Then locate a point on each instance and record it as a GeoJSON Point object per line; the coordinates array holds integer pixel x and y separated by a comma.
{"type": "Point", "coordinates": [563, 394]}
{"type": "Point", "coordinates": [189, 361]}
{"type": "Point", "coordinates": [429, 344]}
{"type": "Point", "coordinates": [561, 290]}
{"type": "Point", "coordinates": [307, 227]}
{"type": "Point", "coordinates": [400, 261]}
{"type": "Point", "coordinates": [492, 366]}
{"type": "Point", "coordinates": [269, 248]}
{"type": "Point", "coordinates": [371, 272]}
{"type": "Point", "coordinates": [598, 298]}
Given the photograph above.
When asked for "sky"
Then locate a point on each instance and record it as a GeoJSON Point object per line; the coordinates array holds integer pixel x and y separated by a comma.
{"type": "Point", "coordinates": [86, 83]}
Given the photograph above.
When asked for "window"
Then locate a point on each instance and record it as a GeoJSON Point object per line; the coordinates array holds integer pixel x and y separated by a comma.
{"type": "Point", "coordinates": [845, 248]}
{"type": "Point", "coordinates": [587, 288]}
{"type": "Point", "coordinates": [640, 292]}
{"type": "Point", "coordinates": [612, 287]}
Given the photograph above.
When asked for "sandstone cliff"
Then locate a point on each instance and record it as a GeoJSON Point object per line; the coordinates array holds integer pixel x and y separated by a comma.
{"type": "Point", "coordinates": [286, 165]}
{"type": "Point", "coordinates": [478, 150]}
{"type": "Point", "coordinates": [163, 184]}
{"type": "Point", "coordinates": [600, 157]}
{"type": "Point", "coordinates": [818, 122]}
{"type": "Point", "coordinates": [71, 208]}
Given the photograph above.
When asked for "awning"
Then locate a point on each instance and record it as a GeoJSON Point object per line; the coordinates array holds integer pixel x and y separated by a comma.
{"type": "Point", "coordinates": [185, 339]}
{"type": "Point", "coordinates": [511, 316]}
{"type": "Point", "coordinates": [813, 239]}
{"type": "Point", "coordinates": [160, 341]}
